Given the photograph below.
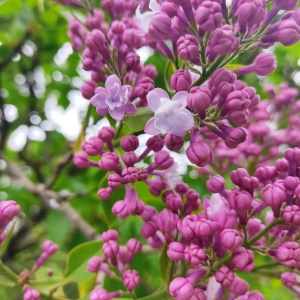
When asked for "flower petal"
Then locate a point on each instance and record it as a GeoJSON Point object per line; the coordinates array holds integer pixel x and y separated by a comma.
{"type": "Point", "coordinates": [161, 93]}
{"type": "Point", "coordinates": [165, 124]}
{"type": "Point", "coordinates": [184, 120]}
{"type": "Point", "coordinates": [117, 113]}
{"type": "Point", "coordinates": [102, 112]}
{"type": "Point", "coordinates": [182, 98]}
{"type": "Point", "coordinates": [111, 80]}
{"type": "Point", "coordinates": [129, 108]}
{"type": "Point", "coordinates": [154, 6]}
{"type": "Point", "coordinates": [114, 90]}
{"type": "Point", "coordinates": [99, 100]}
{"type": "Point", "coordinates": [153, 101]}
{"type": "Point", "coordinates": [150, 128]}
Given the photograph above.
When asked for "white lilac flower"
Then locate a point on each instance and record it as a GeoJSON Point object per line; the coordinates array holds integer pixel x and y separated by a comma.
{"type": "Point", "coordinates": [113, 99]}
{"type": "Point", "coordinates": [144, 19]}
{"type": "Point", "coordinates": [170, 116]}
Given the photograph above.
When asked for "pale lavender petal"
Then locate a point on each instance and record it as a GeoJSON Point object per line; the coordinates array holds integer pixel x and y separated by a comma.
{"type": "Point", "coordinates": [153, 101]}
{"type": "Point", "coordinates": [184, 120]}
{"type": "Point", "coordinates": [154, 6]}
{"type": "Point", "coordinates": [111, 80]}
{"type": "Point", "coordinates": [150, 128]}
{"type": "Point", "coordinates": [129, 108]}
{"type": "Point", "coordinates": [100, 90]}
{"type": "Point", "coordinates": [114, 90]}
{"type": "Point", "coordinates": [165, 124]}
{"type": "Point", "coordinates": [161, 93]}
{"type": "Point", "coordinates": [102, 112]}
{"type": "Point", "coordinates": [182, 98]}
{"type": "Point", "coordinates": [99, 100]}
{"type": "Point", "coordinates": [127, 90]}
{"type": "Point", "coordinates": [110, 102]}
{"type": "Point", "coordinates": [117, 113]}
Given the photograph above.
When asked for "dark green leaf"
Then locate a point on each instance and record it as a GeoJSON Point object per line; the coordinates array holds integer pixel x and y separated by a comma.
{"type": "Point", "coordinates": [164, 263]}
{"type": "Point", "coordinates": [169, 71]}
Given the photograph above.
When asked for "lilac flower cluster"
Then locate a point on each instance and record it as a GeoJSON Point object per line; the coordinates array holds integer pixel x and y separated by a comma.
{"type": "Point", "coordinates": [216, 120]}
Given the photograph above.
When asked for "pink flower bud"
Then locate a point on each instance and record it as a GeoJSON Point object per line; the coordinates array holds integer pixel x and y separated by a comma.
{"type": "Point", "coordinates": [175, 251]}
{"type": "Point", "coordinates": [173, 142]}
{"type": "Point", "coordinates": [181, 288]}
{"type": "Point", "coordinates": [160, 26]}
{"type": "Point", "coordinates": [173, 201]}
{"type": "Point", "coordinates": [166, 221]}
{"type": "Point", "coordinates": [188, 48]}
{"type": "Point", "coordinates": [242, 259]}
{"type": "Point", "coordinates": [129, 143]}
{"type": "Point", "coordinates": [130, 175]}
{"type": "Point", "coordinates": [110, 249]}
{"type": "Point", "coordinates": [109, 162]}
{"type": "Point", "coordinates": [81, 160]}
{"type": "Point", "coordinates": [105, 193]}
{"type": "Point", "coordinates": [120, 209]}
{"type": "Point", "coordinates": [49, 247]}
{"type": "Point", "coordinates": [288, 279]}
{"type": "Point", "coordinates": [149, 229]}
{"type": "Point", "coordinates": [114, 180]}
{"type": "Point", "coordinates": [155, 143]}
{"type": "Point", "coordinates": [107, 134]}
{"type": "Point", "coordinates": [199, 154]}
{"type": "Point", "coordinates": [94, 264]}
{"type": "Point", "coordinates": [239, 286]}
{"type": "Point", "coordinates": [134, 245]}
{"type": "Point", "coordinates": [194, 255]}
{"type": "Point", "coordinates": [88, 89]}
{"type": "Point", "coordinates": [163, 159]}
{"type": "Point", "coordinates": [93, 147]}
{"type": "Point", "coordinates": [102, 294]}
{"type": "Point", "coordinates": [31, 294]}
{"type": "Point", "coordinates": [274, 196]}
{"type": "Point", "coordinates": [181, 80]}
{"type": "Point", "coordinates": [110, 235]}
{"type": "Point", "coordinates": [231, 239]}
{"type": "Point", "coordinates": [224, 276]}
{"type": "Point", "coordinates": [131, 279]}
{"type": "Point", "coordinates": [129, 158]}
{"type": "Point", "coordinates": [199, 99]}
{"type": "Point", "coordinates": [291, 214]}
{"type": "Point", "coordinates": [8, 210]}
{"type": "Point", "coordinates": [216, 184]}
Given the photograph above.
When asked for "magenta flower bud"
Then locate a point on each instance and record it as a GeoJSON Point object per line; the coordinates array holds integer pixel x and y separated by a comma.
{"type": "Point", "coordinates": [169, 8]}
{"type": "Point", "coordinates": [292, 155]}
{"type": "Point", "coordinates": [241, 201]}
{"type": "Point", "coordinates": [88, 89]}
{"type": "Point", "coordinates": [142, 174]}
{"type": "Point", "coordinates": [173, 201]}
{"type": "Point", "coordinates": [199, 99]}
{"type": "Point", "coordinates": [93, 147]}
{"type": "Point", "coordinates": [166, 221]}
{"type": "Point", "coordinates": [288, 279]}
{"type": "Point", "coordinates": [148, 229]}
{"type": "Point", "coordinates": [216, 184]}
{"type": "Point", "coordinates": [129, 143]}
{"type": "Point", "coordinates": [224, 276]}
{"type": "Point", "coordinates": [94, 264]}
{"type": "Point", "coordinates": [231, 239]}
{"type": "Point", "coordinates": [81, 160]}
{"type": "Point", "coordinates": [192, 195]}
{"type": "Point", "coordinates": [149, 213]}
{"type": "Point", "coordinates": [220, 76]}
{"type": "Point", "coordinates": [173, 142]}
{"type": "Point", "coordinates": [130, 175]}
{"type": "Point", "coordinates": [120, 209]}
{"type": "Point", "coordinates": [102, 294]}
{"type": "Point", "coordinates": [287, 32]}
{"type": "Point", "coordinates": [150, 71]}
{"type": "Point", "coordinates": [199, 294]}
{"type": "Point", "coordinates": [155, 143]}
{"type": "Point", "coordinates": [222, 42]}
{"type": "Point", "coordinates": [209, 16]}
{"type": "Point", "coordinates": [181, 288]}
{"type": "Point", "coordinates": [290, 182]}
{"type": "Point", "coordinates": [8, 210]}
{"type": "Point", "coordinates": [143, 87]}
{"type": "Point", "coordinates": [110, 249]}
{"type": "Point", "coordinates": [134, 245]}
{"type": "Point", "coordinates": [96, 40]}
{"type": "Point", "coordinates": [132, 61]}
{"type": "Point", "coordinates": [235, 137]}
{"type": "Point", "coordinates": [136, 207]}
{"type": "Point", "coordinates": [242, 259]}
{"type": "Point", "coordinates": [194, 255]}
{"type": "Point", "coordinates": [265, 64]}
{"type": "Point", "coordinates": [114, 180]}
{"type": "Point", "coordinates": [129, 159]}
{"type": "Point", "coordinates": [109, 162]}
{"type": "Point", "coordinates": [49, 247]}
{"type": "Point", "coordinates": [163, 159]}
{"type": "Point", "coordinates": [132, 38]}
{"type": "Point", "coordinates": [31, 294]}
{"type": "Point", "coordinates": [288, 254]}
{"type": "Point", "coordinates": [274, 196]}
{"type": "Point", "coordinates": [291, 214]}
{"type": "Point", "coordinates": [204, 227]}
{"type": "Point", "coordinates": [131, 279]}
{"type": "Point", "coordinates": [105, 193]}
{"type": "Point", "coordinates": [239, 286]}
{"type": "Point", "coordinates": [182, 188]}
{"type": "Point", "coordinates": [188, 48]}
{"type": "Point", "coordinates": [156, 186]}
{"type": "Point", "coordinates": [175, 251]}
{"type": "Point", "coordinates": [285, 4]}
{"type": "Point", "coordinates": [110, 235]}
{"type": "Point", "coordinates": [187, 226]}
{"type": "Point", "coordinates": [199, 154]}
{"type": "Point", "coordinates": [107, 134]}
{"type": "Point", "coordinates": [160, 26]}
{"type": "Point", "coordinates": [237, 176]}
{"type": "Point", "coordinates": [181, 80]}
{"type": "Point", "coordinates": [265, 174]}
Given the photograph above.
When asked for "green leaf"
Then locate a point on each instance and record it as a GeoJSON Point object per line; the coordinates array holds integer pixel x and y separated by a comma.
{"type": "Point", "coordinates": [156, 296]}
{"type": "Point", "coordinates": [233, 66]}
{"type": "Point", "coordinates": [137, 122]}
{"type": "Point", "coordinates": [10, 278]}
{"type": "Point", "coordinates": [5, 243]}
{"type": "Point", "coordinates": [77, 260]}
{"type": "Point", "coordinates": [170, 69]}
{"type": "Point", "coordinates": [164, 263]}
{"type": "Point", "coordinates": [8, 7]}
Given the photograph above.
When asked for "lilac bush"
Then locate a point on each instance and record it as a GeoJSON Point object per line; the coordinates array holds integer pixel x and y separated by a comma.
{"type": "Point", "coordinates": [220, 127]}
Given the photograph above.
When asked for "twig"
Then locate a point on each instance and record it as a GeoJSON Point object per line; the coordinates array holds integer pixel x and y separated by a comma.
{"type": "Point", "coordinates": [48, 195]}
